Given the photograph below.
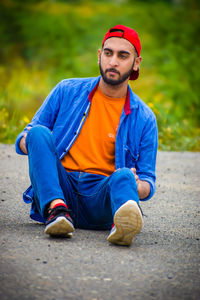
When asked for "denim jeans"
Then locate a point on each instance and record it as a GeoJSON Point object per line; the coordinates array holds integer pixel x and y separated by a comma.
{"type": "Point", "coordinates": [92, 198]}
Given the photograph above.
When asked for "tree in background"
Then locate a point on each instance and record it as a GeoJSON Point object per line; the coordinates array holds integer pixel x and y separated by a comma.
{"type": "Point", "coordinates": [46, 41]}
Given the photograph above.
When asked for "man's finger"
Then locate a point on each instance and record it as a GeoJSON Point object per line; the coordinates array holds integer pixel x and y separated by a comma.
{"type": "Point", "coordinates": [25, 134]}
{"type": "Point", "coordinates": [133, 170]}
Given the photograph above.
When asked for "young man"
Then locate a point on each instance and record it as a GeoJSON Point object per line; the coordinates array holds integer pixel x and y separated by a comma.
{"type": "Point", "coordinates": [92, 148]}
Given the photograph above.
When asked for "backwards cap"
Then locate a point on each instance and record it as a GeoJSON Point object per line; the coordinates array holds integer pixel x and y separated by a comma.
{"type": "Point", "coordinates": [129, 34]}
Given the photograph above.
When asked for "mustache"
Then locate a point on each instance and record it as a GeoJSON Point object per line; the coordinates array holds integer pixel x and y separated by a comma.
{"type": "Point", "coordinates": [112, 70]}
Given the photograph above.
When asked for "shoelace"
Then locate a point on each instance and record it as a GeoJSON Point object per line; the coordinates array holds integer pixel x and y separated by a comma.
{"type": "Point", "coordinates": [56, 210]}
{"type": "Point", "coordinates": [142, 211]}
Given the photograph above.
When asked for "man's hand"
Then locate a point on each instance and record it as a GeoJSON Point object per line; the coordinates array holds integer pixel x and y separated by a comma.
{"type": "Point", "coordinates": [22, 143]}
{"type": "Point", "coordinates": [143, 187]}
{"type": "Point", "coordinates": [136, 176]}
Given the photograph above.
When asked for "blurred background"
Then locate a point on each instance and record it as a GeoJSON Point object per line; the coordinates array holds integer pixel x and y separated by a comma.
{"type": "Point", "coordinates": [43, 42]}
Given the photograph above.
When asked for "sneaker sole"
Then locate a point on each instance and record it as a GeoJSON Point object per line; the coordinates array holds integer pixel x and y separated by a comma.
{"type": "Point", "coordinates": [128, 222]}
{"type": "Point", "coordinates": [60, 227]}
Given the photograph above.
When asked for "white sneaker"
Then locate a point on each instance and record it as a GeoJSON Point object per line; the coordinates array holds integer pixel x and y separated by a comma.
{"type": "Point", "coordinates": [127, 223]}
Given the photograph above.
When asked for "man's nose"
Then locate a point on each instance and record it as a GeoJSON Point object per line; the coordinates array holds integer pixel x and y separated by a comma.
{"type": "Point", "coordinates": [113, 61]}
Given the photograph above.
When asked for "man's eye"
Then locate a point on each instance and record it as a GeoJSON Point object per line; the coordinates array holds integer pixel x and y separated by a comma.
{"type": "Point", "coordinates": [107, 53]}
{"type": "Point", "coordinates": [122, 56]}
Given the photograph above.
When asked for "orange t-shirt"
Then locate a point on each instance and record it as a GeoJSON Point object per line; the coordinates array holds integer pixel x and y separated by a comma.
{"type": "Point", "coordinates": [94, 149]}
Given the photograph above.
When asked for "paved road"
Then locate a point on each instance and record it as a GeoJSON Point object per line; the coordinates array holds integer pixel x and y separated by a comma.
{"type": "Point", "coordinates": [163, 262]}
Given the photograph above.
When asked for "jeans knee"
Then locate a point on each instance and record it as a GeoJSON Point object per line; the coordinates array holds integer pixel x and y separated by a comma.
{"type": "Point", "coordinates": [38, 135]}
{"type": "Point", "coordinates": [38, 131]}
{"type": "Point", "coordinates": [124, 174]}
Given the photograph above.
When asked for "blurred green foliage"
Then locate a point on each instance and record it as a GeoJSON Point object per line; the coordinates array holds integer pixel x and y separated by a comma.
{"type": "Point", "coordinates": [43, 42]}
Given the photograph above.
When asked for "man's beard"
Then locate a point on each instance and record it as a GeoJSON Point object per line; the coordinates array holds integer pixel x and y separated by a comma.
{"type": "Point", "coordinates": [118, 81]}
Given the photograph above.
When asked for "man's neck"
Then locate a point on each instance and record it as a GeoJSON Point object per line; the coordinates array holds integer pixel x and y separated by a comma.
{"type": "Point", "coordinates": [114, 91]}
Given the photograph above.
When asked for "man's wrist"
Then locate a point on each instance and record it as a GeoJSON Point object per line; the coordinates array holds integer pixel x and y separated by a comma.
{"type": "Point", "coordinates": [144, 189]}
{"type": "Point", "coordinates": [22, 145]}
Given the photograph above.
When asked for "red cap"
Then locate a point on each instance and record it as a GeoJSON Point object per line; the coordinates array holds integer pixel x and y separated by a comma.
{"type": "Point", "coordinates": [129, 34]}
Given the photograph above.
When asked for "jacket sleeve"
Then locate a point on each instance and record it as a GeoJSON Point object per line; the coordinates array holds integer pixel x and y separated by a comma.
{"type": "Point", "coordinates": [146, 163]}
{"type": "Point", "coordinates": [46, 115]}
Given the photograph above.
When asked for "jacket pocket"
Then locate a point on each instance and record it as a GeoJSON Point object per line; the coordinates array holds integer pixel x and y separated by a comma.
{"type": "Point", "coordinates": [131, 158]}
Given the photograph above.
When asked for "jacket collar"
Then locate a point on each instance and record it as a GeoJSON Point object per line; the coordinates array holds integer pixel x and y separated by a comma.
{"type": "Point", "coordinates": [94, 87]}
{"type": "Point", "coordinates": [129, 103]}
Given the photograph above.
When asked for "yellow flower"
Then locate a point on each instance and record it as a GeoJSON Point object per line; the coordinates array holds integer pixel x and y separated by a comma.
{"type": "Point", "coordinates": [26, 119]}
{"type": "Point", "coordinates": [150, 105]}
{"type": "Point", "coordinates": [169, 130]}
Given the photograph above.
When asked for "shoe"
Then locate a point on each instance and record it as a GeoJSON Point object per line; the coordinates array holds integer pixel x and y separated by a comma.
{"type": "Point", "coordinates": [59, 222]}
{"type": "Point", "coordinates": [127, 223]}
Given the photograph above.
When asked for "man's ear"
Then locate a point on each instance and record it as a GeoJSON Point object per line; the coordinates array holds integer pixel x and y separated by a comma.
{"type": "Point", "coordinates": [137, 63]}
{"type": "Point", "coordinates": [99, 55]}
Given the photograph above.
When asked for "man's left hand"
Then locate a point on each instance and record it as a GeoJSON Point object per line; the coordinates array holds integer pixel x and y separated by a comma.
{"type": "Point", "coordinates": [143, 187]}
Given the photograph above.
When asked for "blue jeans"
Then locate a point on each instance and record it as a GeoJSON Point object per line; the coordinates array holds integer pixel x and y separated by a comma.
{"type": "Point", "coordinates": [92, 198]}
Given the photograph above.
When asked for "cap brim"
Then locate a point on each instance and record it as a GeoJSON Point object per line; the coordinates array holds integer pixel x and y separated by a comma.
{"type": "Point", "coordinates": [134, 75]}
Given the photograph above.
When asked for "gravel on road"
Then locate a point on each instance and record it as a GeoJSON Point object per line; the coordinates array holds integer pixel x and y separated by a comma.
{"type": "Point", "coordinates": [162, 263]}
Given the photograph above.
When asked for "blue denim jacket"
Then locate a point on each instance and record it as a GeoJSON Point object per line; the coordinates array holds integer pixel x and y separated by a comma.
{"type": "Point", "coordinates": [65, 110]}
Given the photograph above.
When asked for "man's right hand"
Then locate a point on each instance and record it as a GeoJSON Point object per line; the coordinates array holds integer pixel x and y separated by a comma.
{"type": "Point", "coordinates": [22, 143]}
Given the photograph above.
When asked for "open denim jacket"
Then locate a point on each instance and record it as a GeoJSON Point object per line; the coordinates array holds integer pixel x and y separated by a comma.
{"type": "Point", "coordinates": [65, 110]}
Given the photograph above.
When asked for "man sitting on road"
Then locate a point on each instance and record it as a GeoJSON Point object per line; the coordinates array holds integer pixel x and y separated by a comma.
{"type": "Point", "coordinates": [92, 148]}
